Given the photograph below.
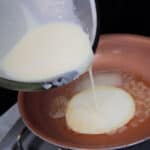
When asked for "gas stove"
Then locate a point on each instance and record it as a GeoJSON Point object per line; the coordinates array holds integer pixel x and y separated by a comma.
{"type": "Point", "coordinates": [20, 138]}
{"type": "Point", "coordinates": [16, 136]}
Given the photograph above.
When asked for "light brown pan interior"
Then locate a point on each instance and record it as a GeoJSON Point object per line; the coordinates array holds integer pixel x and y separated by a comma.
{"type": "Point", "coordinates": [34, 106]}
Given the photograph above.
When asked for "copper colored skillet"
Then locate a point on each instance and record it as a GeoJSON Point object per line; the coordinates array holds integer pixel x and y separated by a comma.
{"type": "Point", "coordinates": [124, 52]}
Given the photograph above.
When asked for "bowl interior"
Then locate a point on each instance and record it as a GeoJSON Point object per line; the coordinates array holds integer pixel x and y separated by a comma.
{"type": "Point", "coordinates": [123, 52]}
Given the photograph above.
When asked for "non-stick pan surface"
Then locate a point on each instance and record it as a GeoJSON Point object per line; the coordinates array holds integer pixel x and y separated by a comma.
{"type": "Point", "coordinates": [113, 52]}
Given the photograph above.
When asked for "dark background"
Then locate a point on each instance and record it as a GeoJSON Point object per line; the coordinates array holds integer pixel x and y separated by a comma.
{"type": "Point", "coordinates": [114, 16]}
{"type": "Point", "coordinates": [124, 16]}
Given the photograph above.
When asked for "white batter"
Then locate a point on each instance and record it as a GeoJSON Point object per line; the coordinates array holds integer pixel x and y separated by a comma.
{"type": "Point", "coordinates": [112, 109]}
{"type": "Point", "coordinates": [48, 51]}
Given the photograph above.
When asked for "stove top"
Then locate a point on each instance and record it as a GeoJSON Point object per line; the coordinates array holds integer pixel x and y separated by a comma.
{"type": "Point", "coordinates": [20, 138]}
